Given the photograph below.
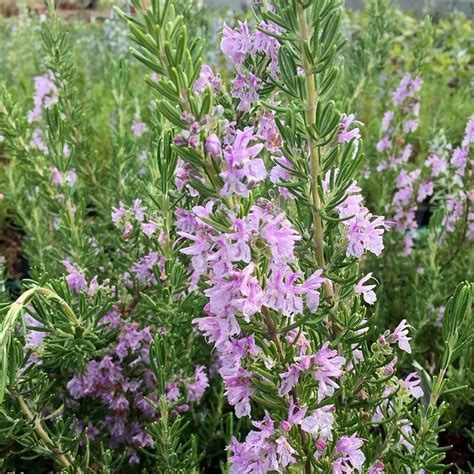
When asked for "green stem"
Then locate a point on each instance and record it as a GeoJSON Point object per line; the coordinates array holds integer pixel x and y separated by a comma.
{"type": "Point", "coordinates": [61, 458]}
{"type": "Point", "coordinates": [310, 118]}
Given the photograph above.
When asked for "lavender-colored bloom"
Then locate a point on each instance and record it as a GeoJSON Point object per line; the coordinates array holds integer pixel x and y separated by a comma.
{"type": "Point", "coordinates": [237, 43]}
{"type": "Point", "coordinates": [320, 422]}
{"type": "Point", "coordinates": [328, 367]}
{"type": "Point", "coordinates": [412, 384]}
{"type": "Point", "coordinates": [245, 87]}
{"type": "Point", "coordinates": [377, 468]}
{"type": "Point", "coordinates": [425, 189]}
{"type": "Point", "coordinates": [195, 389]}
{"type": "Point", "coordinates": [400, 336]}
{"type": "Point", "coordinates": [207, 78]}
{"type": "Point", "coordinates": [384, 144]}
{"type": "Point", "coordinates": [139, 128]}
{"type": "Point", "coordinates": [149, 228]}
{"type": "Point", "coordinates": [469, 132]}
{"type": "Point", "coordinates": [37, 140]}
{"type": "Point", "coordinates": [387, 120]}
{"type": "Point", "coordinates": [75, 279]}
{"type": "Point", "coordinates": [346, 135]}
{"type": "Point", "coordinates": [348, 454]}
{"type": "Point", "coordinates": [57, 177]}
{"type": "Point", "coordinates": [437, 164]}
{"type": "Point", "coordinates": [410, 126]}
{"type": "Point", "coordinates": [118, 213]}
{"type": "Point", "coordinates": [213, 145]}
{"type": "Point", "coordinates": [238, 390]}
{"type": "Point", "coordinates": [239, 164]}
{"type": "Point", "coordinates": [46, 94]}
{"type": "Point", "coordinates": [138, 210]}
{"type": "Point", "coordinates": [366, 290]}
{"type": "Point", "coordinates": [366, 235]}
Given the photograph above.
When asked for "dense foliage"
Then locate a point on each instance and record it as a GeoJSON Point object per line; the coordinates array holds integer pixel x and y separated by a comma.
{"type": "Point", "coordinates": [239, 244]}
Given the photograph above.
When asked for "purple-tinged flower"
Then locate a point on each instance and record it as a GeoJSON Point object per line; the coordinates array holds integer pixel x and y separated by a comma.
{"type": "Point", "coordinates": [238, 390]}
{"type": "Point", "coordinates": [280, 236]}
{"type": "Point", "coordinates": [424, 190]}
{"type": "Point", "coordinates": [387, 120]}
{"type": "Point", "coordinates": [346, 135]}
{"type": "Point", "coordinates": [207, 78]}
{"type": "Point", "coordinates": [366, 290]}
{"type": "Point", "coordinates": [46, 94]}
{"type": "Point", "coordinates": [469, 132]}
{"type": "Point", "coordinates": [245, 87]}
{"type": "Point", "coordinates": [289, 379]}
{"type": "Point", "coordinates": [348, 455]}
{"type": "Point", "coordinates": [384, 144]}
{"type": "Point", "coordinates": [400, 336]}
{"type": "Point", "coordinates": [75, 279]}
{"type": "Point", "coordinates": [366, 235]}
{"type": "Point", "coordinates": [320, 422]}
{"type": "Point", "coordinates": [328, 366]}
{"type": "Point", "coordinates": [377, 468]}
{"type": "Point", "coordinates": [149, 228]}
{"type": "Point", "coordinates": [410, 126]}
{"type": "Point", "coordinates": [57, 176]}
{"type": "Point", "coordinates": [240, 164]}
{"type": "Point", "coordinates": [139, 128]}
{"type": "Point", "coordinates": [138, 210]}
{"type": "Point", "coordinates": [236, 43]}
{"type": "Point", "coordinates": [37, 140]}
{"type": "Point", "coordinates": [285, 452]}
{"type": "Point", "coordinates": [118, 213]}
{"type": "Point", "coordinates": [459, 159]}
{"type": "Point", "coordinates": [195, 389]}
{"type": "Point", "coordinates": [34, 338]}
{"type": "Point", "coordinates": [438, 165]}
{"type": "Point", "coordinates": [213, 145]}
{"type": "Point", "coordinates": [412, 384]}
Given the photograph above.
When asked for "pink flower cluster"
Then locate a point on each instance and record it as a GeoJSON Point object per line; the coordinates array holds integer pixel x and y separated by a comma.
{"type": "Point", "coordinates": [238, 44]}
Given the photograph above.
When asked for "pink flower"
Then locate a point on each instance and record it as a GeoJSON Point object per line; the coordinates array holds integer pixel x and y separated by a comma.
{"type": "Point", "coordinates": [238, 390]}
{"type": "Point", "coordinates": [320, 422]}
{"type": "Point", "coordinates": [149, 228]}
{"type": "Point", "coordinates": [425, 189]}
{"type": "Point", "coordinates": [348, 455]}
{"type": "Point", "coordinates": [207, 78]}
{"type": "Point", "coordinates": [399, 336]}
{"type": "Point", "coordinates": [237, 43]}
{"type": "Point", "coordinates": [328, 366]}
{"type": "Point", "coordinates": [213, 145]}
{"type": "Point", "coordinates": [384, 144]}
{"type": "Point", "coordinates": [139, 128]}
{"type": "Point", "coordinates": [366, 290]}
{"type": "Point", "coordinates": [366, 235]}
{"type": "Point", "coordinates": [377, 468]}
{"type": "Point", "coordinates": [346, 135]}
{"type": "Point", "coordinates": [239, 164]}
{"type": "Point", "coordinates": [411, 383]}
{"type": "Point", "coordinates": [387, 120]}
{"type": "Point", "coordinates": [245, 87]}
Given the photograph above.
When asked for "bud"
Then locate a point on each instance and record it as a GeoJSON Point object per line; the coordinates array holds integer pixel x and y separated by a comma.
{"type": "Point", "coordinates": [285, 425]}
{"type": "Point", "coordinates": [213, 145]}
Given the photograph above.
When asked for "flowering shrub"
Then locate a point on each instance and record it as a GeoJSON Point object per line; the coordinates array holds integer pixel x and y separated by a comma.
{"type": "Point", "coordinates": [205, 294]}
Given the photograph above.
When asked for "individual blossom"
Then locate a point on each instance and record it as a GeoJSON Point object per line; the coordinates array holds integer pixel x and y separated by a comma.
{"type": "Point", "coordinates": [195, 389]}
{"type": "Point", "coordinates": [46, 95]}
{"type": "Point", "coordinates": [346, 135]}
{"type": "Point", "coordinates": [75, 279]}
{"type": "Point", "coordinates": [207, 78]}
{"type": "Point", "coordinates": [236, 43]}
{"type": "Point", "coordinates": [348, 455]}
{"type": "Point", "coordinates": [412, 384]}
{"type": "Point", "coordinates": [213, 145]}
{"type": "Point", "coordinates": [400, 336]}
{"type": "Point", "coordinates": [139, 128]}
{"type": "Point", "coordinates": [327, 367]}
{"type": "Point", "coordinates": [242, 164]}
{"type": "Point", "coordinates": [366, 290]}
{"type": "Point", "coordinates": [245, 87]}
